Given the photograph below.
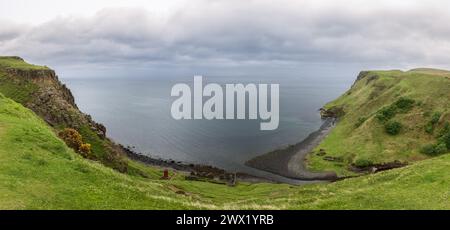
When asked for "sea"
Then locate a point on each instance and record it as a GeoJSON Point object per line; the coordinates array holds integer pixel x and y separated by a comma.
{"type": "Point", "coordinates": [136, 112]}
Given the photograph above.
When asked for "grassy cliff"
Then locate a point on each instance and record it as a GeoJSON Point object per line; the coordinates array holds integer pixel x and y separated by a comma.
{"type": "Point", "coordinates": [387, 116]}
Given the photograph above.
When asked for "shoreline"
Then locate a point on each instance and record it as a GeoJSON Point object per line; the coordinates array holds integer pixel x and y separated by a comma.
{"type": "Point", "coordinates": [196, 171]}
{"type": "Point", "coordinates": [290, 161]}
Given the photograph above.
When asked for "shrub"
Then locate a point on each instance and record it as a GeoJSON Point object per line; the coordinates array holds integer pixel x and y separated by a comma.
{"type": "Point", "coordinates": [393, 127]}
{"type": "Point", "coordinates": [404, 104]}
{"type": "Point", "coordinates": [440, 148]}
{"type": "Point", "coordinates": [72, 138]}
{"type": "Point", "coordinates": [429, 127]}
{"type": "Point", "coordinates": [114, 159]}
{"type": "Point", "coordinates": [85, 150]}
{"type": "Point", "coordinates": [428, 149]}
{"type": "Point", "coordinates": [434, 149]}
{"type": "Point", "coordinates": [445, 136]}
{"type": "Point", "coordinates": [445, 130]}
{"type": "Point", "coordinates": [362, 163]}
{"type": "Point", "coordinates": [386, 113]}
{"type": "Point", "coordinates": [435, 118]}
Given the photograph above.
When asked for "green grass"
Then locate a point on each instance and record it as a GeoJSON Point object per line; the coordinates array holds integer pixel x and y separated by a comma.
{"type": "Point", "coordinates": [18, 63]}
{"type": "Point", "coordinates": [20, 91]}
{"type": "Point", "coordinates": [361, 135]}
{"type": "Point", "coordinates": [38, 171]}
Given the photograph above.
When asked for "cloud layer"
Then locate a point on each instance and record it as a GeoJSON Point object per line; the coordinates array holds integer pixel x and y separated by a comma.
{"type": "Point", "coordinates": [243, 32]}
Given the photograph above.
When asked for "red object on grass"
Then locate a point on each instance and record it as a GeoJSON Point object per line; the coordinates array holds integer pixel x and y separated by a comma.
{"type": "Point", "coordinates": [166, 173]}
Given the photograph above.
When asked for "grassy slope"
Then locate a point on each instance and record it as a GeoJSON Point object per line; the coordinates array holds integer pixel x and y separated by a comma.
{"type": "Point", "coordinates": [37, 171]}
{"type": "Point", "coordinates": [18, 63]}
{"type": "Point", "coordinates": [429, 88]}
{"type": "Point", "coordinates": [20, 93]}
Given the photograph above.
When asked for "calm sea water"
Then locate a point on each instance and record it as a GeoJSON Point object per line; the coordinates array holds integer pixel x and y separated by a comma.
{"type": "Point", "coordinates": [136, 112]}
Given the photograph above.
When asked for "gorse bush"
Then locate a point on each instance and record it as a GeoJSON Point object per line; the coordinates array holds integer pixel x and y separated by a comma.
{"type": "Point", "coordinates": [393, 127]}
{"type": "Point", "coordinates": [85, 150]}
{"type": "Point", "coordinates": [74, 140]}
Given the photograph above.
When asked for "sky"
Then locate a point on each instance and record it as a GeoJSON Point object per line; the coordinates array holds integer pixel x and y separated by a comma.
{"type": "Point", "coordinates": [226, 35]}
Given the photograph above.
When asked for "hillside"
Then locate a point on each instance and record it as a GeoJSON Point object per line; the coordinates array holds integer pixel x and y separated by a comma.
{"type": "Point", "coordinates": [38, 171]}
{"type": "Point", "coordinates": [387, 116]}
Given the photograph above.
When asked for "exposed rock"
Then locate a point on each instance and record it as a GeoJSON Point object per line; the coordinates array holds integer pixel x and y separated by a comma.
{"type": "Point", "coordinates": [374, 168]}
{"type": "Point", "coordinates": [54, 101]}
{"type": "Point", "coordinates": [333, 112]}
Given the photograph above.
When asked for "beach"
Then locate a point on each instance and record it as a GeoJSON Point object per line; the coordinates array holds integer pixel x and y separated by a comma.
{"type": "Point", "coordinates": [290, 162]}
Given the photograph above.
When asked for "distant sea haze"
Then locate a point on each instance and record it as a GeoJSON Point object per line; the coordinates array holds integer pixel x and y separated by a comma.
{"type": "Point", "coordinates": [137, 112]}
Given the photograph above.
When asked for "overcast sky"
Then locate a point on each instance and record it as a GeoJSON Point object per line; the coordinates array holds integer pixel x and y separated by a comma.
{"type": "Point", "coordinates": [228, 33]}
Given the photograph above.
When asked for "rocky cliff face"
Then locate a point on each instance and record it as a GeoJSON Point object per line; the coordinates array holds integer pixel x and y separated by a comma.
{"type": "Point", "coordinates": [53, 101]}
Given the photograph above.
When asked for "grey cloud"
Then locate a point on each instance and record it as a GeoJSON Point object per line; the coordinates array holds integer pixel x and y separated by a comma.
{"type": "Point", "coordinates": [221, 32]}
{"type": "Point", "coordinates": [10, 30]}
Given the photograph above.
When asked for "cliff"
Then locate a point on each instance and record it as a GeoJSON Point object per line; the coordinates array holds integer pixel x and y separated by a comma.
{"type": "Point", "coordinates": [39, 89]}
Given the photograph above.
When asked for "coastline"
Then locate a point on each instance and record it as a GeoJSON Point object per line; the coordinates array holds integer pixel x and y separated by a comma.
{"type": "Point", "coordinates": [196, 171]}
{"type": "Point", "coordinates": [290, 162]}
{"type": "Point", "coordinates": [287, 162]}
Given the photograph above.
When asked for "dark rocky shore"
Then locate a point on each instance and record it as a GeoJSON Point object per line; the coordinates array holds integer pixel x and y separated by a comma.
{"type": "Point", "coordinates": [289, 162]}
{"type": "Point", "coordinates": [196, 171]}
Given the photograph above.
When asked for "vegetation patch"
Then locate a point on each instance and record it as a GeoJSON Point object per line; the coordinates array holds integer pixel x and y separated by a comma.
{"type": "Point", "coordinates": [362, 163]}
{"type": "Point", "coordinates": [18, 63]}
{"type": "Point", "coordinates": [393, 127]}
{"type": "Point", "coordinates": [74, 140]}
{"type": "Point", "coordinates": [20, 91]}
{"type": "Point", "coordinates": [402, 105]}
{"type": "Point", "coordinates": [360, 121]}
{"type": "Point", "coordinates": [430, 126]}
{"type": "Point", "coordinates": [103, 151]}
